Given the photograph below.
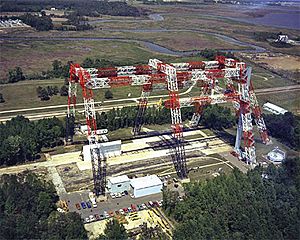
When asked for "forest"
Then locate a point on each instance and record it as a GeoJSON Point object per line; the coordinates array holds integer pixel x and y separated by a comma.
{"type": "Point", "coordinates": [285, 127]}
{"type": "Point", "coordinates": [22, 140]}
{"type": "Point", "coordinates": [91, 8]}
{"type": "Point", "coordinates": [28, 210]}
{"type": "Point", "coordinates": [262, 204]}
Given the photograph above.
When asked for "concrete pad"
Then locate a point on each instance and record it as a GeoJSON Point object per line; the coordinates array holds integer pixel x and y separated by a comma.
{"type": "Point", "coordinates": [84, 165]}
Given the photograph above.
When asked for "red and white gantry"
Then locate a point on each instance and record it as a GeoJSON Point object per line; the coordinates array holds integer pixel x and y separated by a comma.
{"type": "Point", "coordinates": [234, 76]}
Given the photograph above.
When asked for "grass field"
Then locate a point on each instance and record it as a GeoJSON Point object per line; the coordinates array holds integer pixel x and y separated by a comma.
{"type": "Point", "coordinates": [37, 56]}
{"type": "Point", "coordinates": [288, 100]}
{"type": "Point", "coordinates": [23, 94]}
{"type": "Point", "coordinates": [263, 78]}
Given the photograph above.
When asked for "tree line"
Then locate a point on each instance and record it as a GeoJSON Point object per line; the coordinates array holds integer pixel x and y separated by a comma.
{"type": "Point", "coordinates": [262, 204]}
{"type": "Point", "coordinates": [214, 116]}
{"type": "Point", "coordinates": [22, 140]}
{"type": "Point", "coordinates": [87, 8]}
{"type": "Point", "coordinates": [28, 210]}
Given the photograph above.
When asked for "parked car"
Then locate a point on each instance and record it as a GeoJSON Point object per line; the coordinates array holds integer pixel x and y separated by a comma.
{"type": "Point", "coordinates": [155, 204]}
{"type": "Point", "coordinates": [125, 210]}
{"type": "Point", "coordinates": [160, 203]}
{"type": "Point", "coordinates": [83, 205]}
{"type": "Point", "coordinates": [113, 196]}
{"type": "Point", "coordinates": [101, 217]}
{"type": "Point", "coordinates": [97, 217]}
{"type": "Point", "coordinates": [89, 205]}
{"type": "Point", "coordinates": [92, 218]}
{"type": "Point", "coordinates": [133, 207]}
{"type": "Point", "coordinates": [125, 192]}
{"type": "Point", "coordinates": [78, 206]}
{"type": "Point", "coordinates": [144, 206]}
{"type": "Point", "coordinates": [111, 213]}
{"type": "Point", "coordinates": [130, 209]}
{"type": "Point", "coordinates": [151, 204]}
{"type": "Point", "coordinates": [118, 195]}
{"type": "Point", "coordinates": [122, 211]}
{"type": "Point", "coordinates": [87, 220]}
{"type": "Point", "coordinates": [106, 215]}
{"type": "Point", "coordinates": [117, 212]}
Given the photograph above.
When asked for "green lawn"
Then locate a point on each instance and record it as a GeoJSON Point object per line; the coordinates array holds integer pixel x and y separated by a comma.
{"type": "Point", "coordinates": [288, 100]}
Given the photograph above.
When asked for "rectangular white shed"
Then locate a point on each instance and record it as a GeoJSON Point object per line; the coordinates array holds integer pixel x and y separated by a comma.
{"type": "Point", "coordinates": [109, 149]}
{"type": "Point", "coordinates": [147, 185]}
{"type": "Point", "coordinates": [118, 184]}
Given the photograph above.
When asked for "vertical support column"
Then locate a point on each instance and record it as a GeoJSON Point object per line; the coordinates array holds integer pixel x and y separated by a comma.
{"type": "Point", "coordinates": [72, 94]}
{"type": "Point", "coordinates": [207, 87]}
{"type": "Point", "coordinates": [245, 120]}
{"type": "Point", "coordinates": [143, 101]}
{"type": "Point", "coordinates": [178, 151]}
{"type": "Point", "coordinates": [99, 169]}
{"type": "Point", "coordinates": [97, 157]}
{"type": "Point", "coordinates": [259, 121]}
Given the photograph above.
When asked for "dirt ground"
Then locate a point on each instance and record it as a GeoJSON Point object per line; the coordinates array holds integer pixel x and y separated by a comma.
{"type": "Point", "coordinates": [132, 222]}
{"type": "Point", "coordinates": [280, 62]}
{"type": "Point", "coordinates": [73, 178]}
{"type": "Point", "coordinates": [276, 61]}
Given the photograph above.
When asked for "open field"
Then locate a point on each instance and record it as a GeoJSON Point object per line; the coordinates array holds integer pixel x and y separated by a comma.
{"type": "Point", "coordinates": [37, 56]}
{"type": "Point", "coordinates": [285, 62]}
{"type": "Point", "coordinates": [289, 100]}
{"type": "Point", "coordinates": [192, 26]}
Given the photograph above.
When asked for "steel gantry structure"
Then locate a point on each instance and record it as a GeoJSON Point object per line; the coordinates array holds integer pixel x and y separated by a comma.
{"type": "Point", "coordinates": [234, 76]}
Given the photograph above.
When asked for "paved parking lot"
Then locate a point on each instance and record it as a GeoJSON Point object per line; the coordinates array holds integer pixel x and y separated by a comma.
{"type": "Point", "coordinates": [109, 205]}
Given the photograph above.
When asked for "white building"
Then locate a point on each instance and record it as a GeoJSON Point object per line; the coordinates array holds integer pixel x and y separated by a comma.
{"type": "Point", "coordinates": [282, 38]}
{"type": "Point", "coordinates": [144, 186]}
{"type": "Point", "coordinates": [118, 184]}
{"type": "Point", "coordinates": [274, 108]}
{"type": "Point", "coordinates": [109, 149]}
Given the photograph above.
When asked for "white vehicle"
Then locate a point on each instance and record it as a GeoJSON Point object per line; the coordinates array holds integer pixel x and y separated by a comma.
{"type": "Point", "coordinates": [60, 210]}
{"type": "Point", "coordinates": [87, 220]}
{"type": "Point", "coordinates": [92, 218]}
{"type": "Point", "coordinates": [121, 211]}
{"type": "Point", "coordinates": [93, 199]}
{"type": "Point", "coordinates": [144, 206]}
{"type": "Point", "coordinates": [118, 195]}
{"type": "Point", "coordinates": [113, 196]}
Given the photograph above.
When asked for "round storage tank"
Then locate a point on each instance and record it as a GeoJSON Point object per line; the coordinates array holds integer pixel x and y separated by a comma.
{"type": "Point", "coordinates": [276, 155]}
